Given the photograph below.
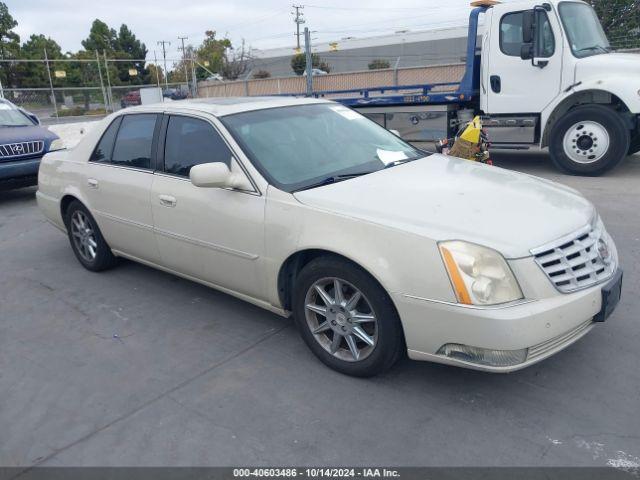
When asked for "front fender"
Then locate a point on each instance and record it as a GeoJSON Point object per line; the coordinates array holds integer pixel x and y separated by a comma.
{"type": "Point", "coordinates": [591, 91]}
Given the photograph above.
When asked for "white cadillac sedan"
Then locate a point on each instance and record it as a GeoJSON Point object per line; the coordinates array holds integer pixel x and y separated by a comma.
{"type": "Point", "coordinates": [305, 207]}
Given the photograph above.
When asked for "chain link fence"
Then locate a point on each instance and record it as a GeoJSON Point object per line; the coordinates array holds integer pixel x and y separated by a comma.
{"type": "Point", "coordinates": [60, 90]}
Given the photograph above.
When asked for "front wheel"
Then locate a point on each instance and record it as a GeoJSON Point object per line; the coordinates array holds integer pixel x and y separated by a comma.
{"type": "Point", "coordinates": [346, 318]}
{"type": "Point", "coordinates": [589, 140]}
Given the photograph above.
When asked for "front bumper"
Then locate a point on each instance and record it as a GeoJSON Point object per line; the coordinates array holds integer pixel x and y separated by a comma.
{"type": "Point", "coordinates": [544, 327]}
{"type": "Point", "coordinates": [19, 172]}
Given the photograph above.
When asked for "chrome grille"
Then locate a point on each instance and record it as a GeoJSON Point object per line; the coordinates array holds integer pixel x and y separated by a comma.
{"type": "Point", "coordinates": [21, 149]}
{"type": "Point", "coordinates": [579, 260]}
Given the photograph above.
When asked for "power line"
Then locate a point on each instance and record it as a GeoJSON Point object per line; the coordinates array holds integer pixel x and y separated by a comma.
{"type": "Point", "coordinates": [184, 58]}
{"type": "Point", "coordinates": [299, 20]}
{"type": "Point", "coordinates": [164, 56]}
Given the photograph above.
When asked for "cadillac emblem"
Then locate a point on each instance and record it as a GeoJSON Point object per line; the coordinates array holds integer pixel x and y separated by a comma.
{"type": "Point", "coordinates": [603, 252]}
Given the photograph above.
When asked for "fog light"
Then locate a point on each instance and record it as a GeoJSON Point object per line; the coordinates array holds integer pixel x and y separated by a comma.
{"type": "Point", "coordinates": [482, 356]}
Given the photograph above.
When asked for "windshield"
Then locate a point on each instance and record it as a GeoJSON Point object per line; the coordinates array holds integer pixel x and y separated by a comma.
{"type": "Point", "coordinates": [12, 117]}
{"type": "Point", "coordinates": [300, 146]}
{"type": "Point", "coordinates": [583, 28]}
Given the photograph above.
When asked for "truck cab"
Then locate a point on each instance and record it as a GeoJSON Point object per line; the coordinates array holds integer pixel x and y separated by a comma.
{"type": "Point", "coordinates": [542, 75]}
{"type": "Point", "coordinates": [548, 77]}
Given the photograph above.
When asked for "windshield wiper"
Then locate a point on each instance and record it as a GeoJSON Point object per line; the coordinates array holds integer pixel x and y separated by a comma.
{"type": "Point", "coordinates": [334, 179]}
{"type": "Point", "coordinates": [404, 160]}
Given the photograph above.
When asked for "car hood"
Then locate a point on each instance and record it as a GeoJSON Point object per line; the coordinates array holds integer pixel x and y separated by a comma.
{"type": "Point", "coordinates": [25, 134]}
{"type": "Point", "coordinates": [617, 63]}
{"type": "Point", "coordinates": [445, 198]}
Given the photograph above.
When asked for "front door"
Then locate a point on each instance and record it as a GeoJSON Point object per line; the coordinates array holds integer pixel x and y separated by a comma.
{"type": "Point", "coordinates": [118, 185]}
{"type": "Point", "coordinates": [212, 234]}
{"type": "Point", "coordinates": [521, 86]}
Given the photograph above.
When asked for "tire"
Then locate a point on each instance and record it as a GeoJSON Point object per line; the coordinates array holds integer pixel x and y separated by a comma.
{"type": "Point", "coordinates": [87, 242]}
{"type": "Point", "coordinates": [589, 140]}
{"type": "Point", "coordinates": [385, 337]}
{"type": "Point", "coordinates": [634, 146]}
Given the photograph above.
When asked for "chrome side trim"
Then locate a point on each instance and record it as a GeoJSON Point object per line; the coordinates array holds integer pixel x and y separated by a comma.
{"type": "Point", "coordinates": [211, 246]}
{"type": "Point", "coordinates": [501, 306]}
{"type": "Point", "coordinates": [124, 221]}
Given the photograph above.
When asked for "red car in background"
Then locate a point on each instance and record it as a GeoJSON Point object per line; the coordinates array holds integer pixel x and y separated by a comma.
{"type": "Point", "coordinates": [131, 99]}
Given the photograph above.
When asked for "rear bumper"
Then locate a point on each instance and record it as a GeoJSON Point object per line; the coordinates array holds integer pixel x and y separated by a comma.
{"type": "Point", "coordinates": [543, 327]}
{"type": "Point", "coordinates": [19, 172]}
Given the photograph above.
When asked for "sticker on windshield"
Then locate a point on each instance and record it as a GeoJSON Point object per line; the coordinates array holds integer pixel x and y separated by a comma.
{"type": "Point", "coordinates": [388, 156]}
{"type": "Point", "coordinates": [346, 112]}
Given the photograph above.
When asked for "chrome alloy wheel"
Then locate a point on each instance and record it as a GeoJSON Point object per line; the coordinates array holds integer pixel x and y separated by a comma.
{"type": "Point", "coordinates": [586, 142]}
{"type": "Point", "coordinates": [83, 236]}
{"type": "Point", "coordinates": [341, 319]}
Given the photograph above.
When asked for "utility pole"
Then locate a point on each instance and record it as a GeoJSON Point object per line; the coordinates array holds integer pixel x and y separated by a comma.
{"type": "Point", "coordinates": [299, 20]}
{"type": "Point", "coordinates": [309, 69]}
{"type": "Point", "coordinates": [164, 56]}
{"type": "Point", "coordinates": [184, 59]}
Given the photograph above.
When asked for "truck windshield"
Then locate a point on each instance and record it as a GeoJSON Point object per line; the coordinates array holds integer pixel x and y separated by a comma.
{"type": "Point", "coordinates": [306, 145]}
{"type": "Point", "coordinates": [583, 28]}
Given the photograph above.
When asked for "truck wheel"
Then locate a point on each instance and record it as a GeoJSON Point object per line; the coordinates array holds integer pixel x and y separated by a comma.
{"type": "Point", "coordinates": [634, 146]}
{"type": "Point", "coordinates": [589, 140]}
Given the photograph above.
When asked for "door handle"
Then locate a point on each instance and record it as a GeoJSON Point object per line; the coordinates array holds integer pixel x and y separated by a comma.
{"type": "Point", "coordinates": [496, 83]}
{"type": "Point", "coordinates": [92, 182]}
{"type": "Point", "coordinates": [167, 200]}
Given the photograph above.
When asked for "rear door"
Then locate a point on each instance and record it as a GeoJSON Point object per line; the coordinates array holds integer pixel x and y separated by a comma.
{"type": "Point", "coordinates": [119, 179]}
{"type": "Point", "coordinates": [212, 234]}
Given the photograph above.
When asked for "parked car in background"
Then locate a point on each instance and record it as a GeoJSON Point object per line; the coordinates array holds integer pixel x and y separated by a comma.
{"type": "Point", "coordinates": [131, 99]}
{"type": "Point", "coordinates": [315, 71]}
{"type": "Point", "coordinates": [23, 142]}
{"type": "Point", "coordinates": [307, 207]}
{"type": "Point", "coordinates": [175, 94]}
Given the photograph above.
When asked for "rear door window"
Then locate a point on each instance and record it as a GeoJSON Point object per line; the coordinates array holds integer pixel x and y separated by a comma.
{"type": "Point", "coordinates": [134, 141]}
{"type": "Point", "coordinates": [103, 151]}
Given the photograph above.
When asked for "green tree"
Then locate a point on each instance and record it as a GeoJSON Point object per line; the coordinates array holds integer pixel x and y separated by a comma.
{"type": "Point", "coordinates": [9, 46]}
{"type": "Point", "coordinates": [379, 64]}
{"type": "Point", "coordinates": [34, 74]}
{"type": "Point", "coordinates": [101, 38]}
{"type": "Point", "coordinates": [299, 63]}
{"type": "Point", "coordinates": [620, 20]}
{"type": "Point", "coordinates": [212, 51]}
{"type": "Point", "coordinates": [262, 74]}
{"type": "Point", "coordinates": [128, 46]}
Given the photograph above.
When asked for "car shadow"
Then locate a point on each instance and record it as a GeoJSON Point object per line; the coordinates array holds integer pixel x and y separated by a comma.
{"type": "Point", "coordinates": [17, 195]}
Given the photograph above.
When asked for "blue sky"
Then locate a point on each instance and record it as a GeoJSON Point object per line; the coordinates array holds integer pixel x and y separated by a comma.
{"type": "Point", "coordinates": [263, 23]}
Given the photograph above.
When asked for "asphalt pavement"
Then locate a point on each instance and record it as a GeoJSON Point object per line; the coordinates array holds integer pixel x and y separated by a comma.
{"type": "Point", "coordinates": [138, 367]}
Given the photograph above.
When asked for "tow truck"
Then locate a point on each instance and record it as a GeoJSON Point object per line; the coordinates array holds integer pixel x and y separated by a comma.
{"type": "Point", "coordinates": [542, 75]}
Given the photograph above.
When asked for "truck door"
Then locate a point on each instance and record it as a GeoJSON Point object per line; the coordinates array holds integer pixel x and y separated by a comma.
{"type": "Point", "coordinates": [514, 85]}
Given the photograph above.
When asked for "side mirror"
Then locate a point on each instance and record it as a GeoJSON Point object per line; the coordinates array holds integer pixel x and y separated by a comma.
{"type": "Point", "coordinates": [528, 26]}
{"type": "Point", "coordinates": [211, 175]}
{"type": "Point", "coordinates": [526, 51]}
{"type": "Point", "coordinates": [216, 175]}
{"type": "Point", "coordinates": [396, 133]}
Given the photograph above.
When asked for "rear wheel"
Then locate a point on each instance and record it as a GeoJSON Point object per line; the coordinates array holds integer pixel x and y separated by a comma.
{"type": "Point", "coordinates": [86, 240]}
{"type": "Point", "coordinates": [589, 140]}
{"type": "Point", "coordinates": [346, 318]}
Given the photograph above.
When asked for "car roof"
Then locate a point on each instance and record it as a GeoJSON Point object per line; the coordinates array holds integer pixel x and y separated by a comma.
{"type": "Point", "coordinates": [221, 106]}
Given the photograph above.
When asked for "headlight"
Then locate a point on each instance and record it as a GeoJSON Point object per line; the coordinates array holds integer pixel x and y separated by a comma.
{"type": "Point", "coordinates": [57, 144]}
{"type": "Point", "coordinates": [479, 275]}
